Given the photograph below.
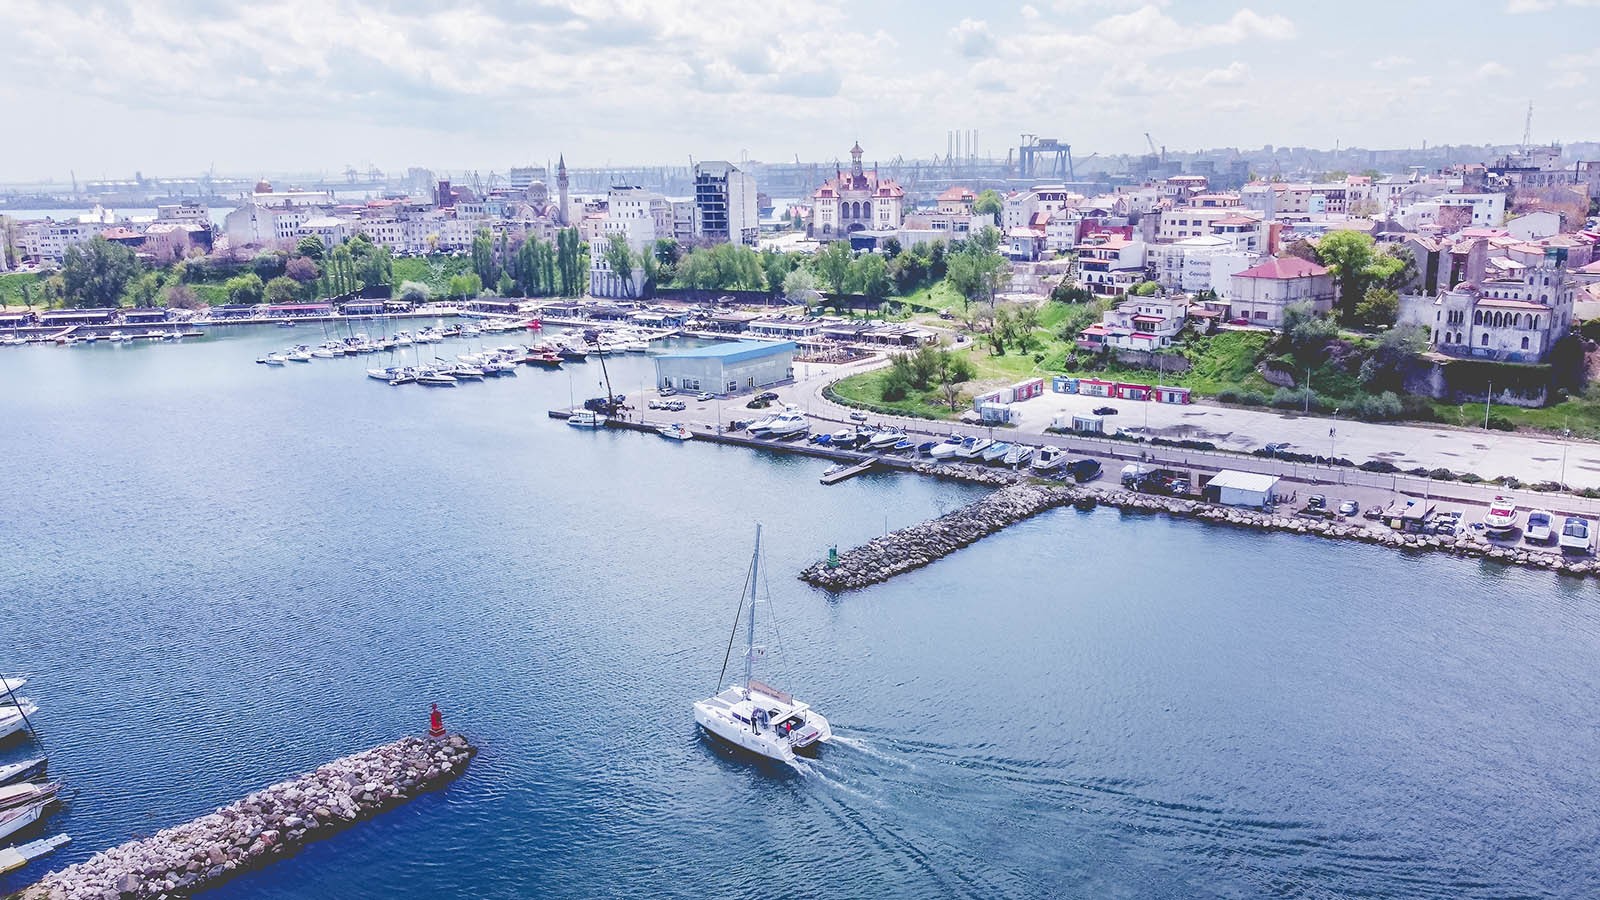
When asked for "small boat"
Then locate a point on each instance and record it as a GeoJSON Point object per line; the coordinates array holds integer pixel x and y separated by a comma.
{"type": "Point", "coordinates": [752, 715]}
{"type": "Point", "coordinates": [26, 792]}
{"type": "Point", "coordinates": [572, 354]}
{"type": "Point", "coordinates": [926, 447]}
{"type": "Point", "coordinates": [383, 374]}
{"type": "Point", "coordinates": [273, 359]}
{"type": "Point", "coordinates": [903, 445]}
{"type": "Point", "coordinates": [1018, 455]}
{"type": "Point", "coordinates": [545, 360]}
{"type": "Point", "coordinates": [1538, 530]}
{"type": "Point", "coordinates": [833, 470]}
{"type": "Point", "coordinates": [14, 820]}
{"type": "Point", "coordinates": [117, 337]}
{"type": "Point", "coordinates": [822, 440]}
{"type": "Point", "coordinates": [972, 448]}
{"type": "Point", "coordinates": [949, 447]}
{"type": "Point", "coordinates": [325, 352]}
{"type": "Point", "coordinates": [301, 353]}
{"type": "Point", "coordinates": [1577, 535]}
{"type": "Point", "coordinates": [13, 858]}
{"type": "Point", "coordinates": [12, 683]}
{"type": "Point", "coordinates": [1501, 518]}
{"type": "Point", "coordinates": [997, 451]}
{"type": "Point", "coordinates": [286, 324]}
{"type": "Point", "coordinates": [676, 431]}
{"type": "Point", "coordinates": [1049, 459]}
{"type": "Point", "coordinates": [404, 376]}
{"type": "Point", "coordinates": [843, 437]}
{"type": "Point", "coordinates": [586, 418]}
{"type": "Point", "coordinates": [26, 770]}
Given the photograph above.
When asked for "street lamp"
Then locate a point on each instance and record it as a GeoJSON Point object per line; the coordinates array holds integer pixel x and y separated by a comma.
{"type": "Point", "coordinates": [1566, 441]}
{"type": "Point", "coordinates": [1308, 390]}
{"type": "Point", "coordinates": [1487, 399]}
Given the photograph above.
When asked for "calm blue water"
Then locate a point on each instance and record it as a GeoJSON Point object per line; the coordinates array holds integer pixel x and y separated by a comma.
{"type": "Point", "coordinates": [223, 574]}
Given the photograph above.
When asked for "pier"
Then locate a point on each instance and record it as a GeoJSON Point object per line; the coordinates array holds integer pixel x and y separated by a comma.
{"type": "Point", "coordinates": [270, 824]}
{"type": "Point", "coordinates": [848, 473]}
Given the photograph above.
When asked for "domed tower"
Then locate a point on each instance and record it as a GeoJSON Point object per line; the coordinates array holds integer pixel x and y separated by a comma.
{"type": "Point", "coordinates": [561, 189]}
{"type": "Point", "coordinates": [855, 161]}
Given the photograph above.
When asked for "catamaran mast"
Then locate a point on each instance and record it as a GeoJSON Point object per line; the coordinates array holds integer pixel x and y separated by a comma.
{"type": "Point", "coordinates": [750, 627]}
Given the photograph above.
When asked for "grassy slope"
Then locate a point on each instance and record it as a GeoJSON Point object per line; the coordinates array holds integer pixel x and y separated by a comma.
{"type": "Point", "coordinates": [11, 288]}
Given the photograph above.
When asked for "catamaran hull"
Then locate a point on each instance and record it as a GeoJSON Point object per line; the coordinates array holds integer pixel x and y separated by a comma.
{"type": "Point", "coordinates": [741, 736]}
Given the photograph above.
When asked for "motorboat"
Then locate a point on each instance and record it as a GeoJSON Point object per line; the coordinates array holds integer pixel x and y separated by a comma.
{"type": "Point", "coordinates": [26, 770]}
{"type": "Point", "coordinates": [544, 360]}
{"type": "Point", "coordinates": [1501, 518]}
{"type": "Point", "coordinates": [822, 440]}
{"type": "Point", "coordinates": [14, 717]}
{"type": "Point", "coordinates": [904, 444]}
{"type": "Point", "coordinates": [384, 374]}
{"type": "Point", "coordinates": [273, 359]}
{"type": "Point", "coordinates": [117, 337]}
{"type": "Point", "coordinates": [972, 448]}
{"type": "Point", "coordinates": [15, 819]}
{"type": "Point", "coordinates": [760, 425]}
{"type": "Point", "coordinates": [435, 378]}
{"type": "Point", "coordinates": [844, 437]}
{"type": "Point", "coordinates": [833, 470]}
{"type": "Point", "coordinates": [948, 448]}
{"type": "Point", "coordinates": [571, 354]}
{"type": "Point", "coordinates": [301, 353]}
{"type": "Point", "coordinates": [27, 792]}
{"type": "Point", "coordinates": [754, 716]}
{"type": "Point", "coordinates": [586, 418]}
{"type": "Point", "coordinates": [1577, 535]}
{"type": "Point", "coordinates": [406, 375]}
{"type": "Point", "coordinates": [926, 447]}
{"type": "Point", "coordinates": [1018, 455]}
{"type": "Point", "coordinates": [996, 452]}
{"type": "Point", "coordinates": [677, 431]}
{"type": "Point", "coordinates": [325, 352]}
{"type": "Point", "coordinates": [1048, 459]}
{"type": "Point", "coordinates": [1538, 530]}
{"type": "Point", "coordinates": [788, 425]}
{"type": "Point", "coordinates": [12, 683]}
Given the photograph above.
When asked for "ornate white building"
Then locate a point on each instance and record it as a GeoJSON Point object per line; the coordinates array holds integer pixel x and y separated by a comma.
{"type": "Point", "coordinates": [856, 201]}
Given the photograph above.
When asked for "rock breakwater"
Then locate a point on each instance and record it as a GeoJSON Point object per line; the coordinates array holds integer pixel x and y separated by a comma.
{"type": "Point", "coordinates": [269, 824]}
{"type": "Point", "coordinates": [918, 545]}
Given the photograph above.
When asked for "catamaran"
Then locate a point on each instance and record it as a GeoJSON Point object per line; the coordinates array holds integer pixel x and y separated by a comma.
{"type": "Point", "coordinates": [756, 716]}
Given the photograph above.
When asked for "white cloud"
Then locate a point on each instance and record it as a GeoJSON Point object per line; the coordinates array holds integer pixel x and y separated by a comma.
{"type": "Point", "coordinates": [1100, 6]}
{"type": "Point", "coordinates": [973, 38]}
{"type": "Point", "coordinates": [1521, 7]}
{"type": "Point", "coordinates": [1392, 62]}
{"type": "Point", "coordinates": [1029, 12]}
{"type": "Point", "coordinates": [1235, 73]}
{"type": "Point", "coordinates": [1492, 70]}
{"type": "Point", "coordinates": [1569, 80]}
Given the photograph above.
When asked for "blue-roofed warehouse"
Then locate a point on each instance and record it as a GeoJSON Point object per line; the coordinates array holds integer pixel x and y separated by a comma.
{"type": "Point", "coordinates": [727, 368]}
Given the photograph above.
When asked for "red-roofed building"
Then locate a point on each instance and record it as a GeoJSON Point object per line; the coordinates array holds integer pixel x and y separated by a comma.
{"type": "Point", "coordinates": [856, 200]}
{"type": "Point", "coordinates": [957, 201]}
{"type": "Point", "coordinates": [1261, 292]}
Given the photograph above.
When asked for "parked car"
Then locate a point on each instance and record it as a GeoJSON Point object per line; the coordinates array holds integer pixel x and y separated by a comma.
{"type": "Point", "coordinates": [858, 416]}
{"type": "Point", "coordinates": [675, 405]}
{"type": "Point", "coordinates": [1276, 448]}
{"type": "Point", "coordinates": [657, 404]}
{"type": "Point", "coordinates": [1349, 508]}
{"type": "Point", "coordinates": [704, 396]}
{"type": "Point", "coordinates": [1105, 410]}
{"type": "Point", "coordinates": [666, 392]}
{"type": "Point", "coordinates": [758, 403]}
{"type": "Point", "coordinates": [1317, 501]}
{"type": "Point", "coordinates": [767, 395]}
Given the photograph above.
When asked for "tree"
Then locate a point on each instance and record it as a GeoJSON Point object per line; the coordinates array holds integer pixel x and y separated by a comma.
{"type": "Point", "coordinates": [890, 247]}
{"type": "Point", "coordinates": [1067, 292]}
{"type": "Point", "coordinates": [1003, 331]}
{"type": "Point", "coordinates": [977, 270]}
{"type": "Point", "coordinates": [1145, 289]}
{"type": "Point", "coordinates": [96, 272]}
{"type": "Point", "coordinates": [799, 286]}
{"type": "Point", "coordinates": [415, 292]}
{"type": "Point", "coordinates": [245, 290]}
{"type": "Point", "coordinates": [1352, 258]}
{"type": "Point", "coordinates": [465, 287]}
{"type": "Point", "coordinates": [282, 289]}
{"type": "Point", "coordinates": [1380, 306]}
{"type": "Point", "coordinates": [1027, 321]}
{"type": "Point", "coordinates": [619, 256]}
{"type": "Point", "coordinates": [267, 264]}
{"type": "Point", "coordinates": [181, 296]}
{"type": "Point", "coordinates": [951, 371]}
{"type": "Point", "coordinates": [302, 269]}
{"type": "Point", "coordinates": [907, 270]}
{"type": "Point", "coordinates": [144, 290]}
{"type": "Point", "coordinates": [988, 203]}
{"type": "Point", "coordinates": [569, 262]}
{"type": "Point", "coordinates": [776, 266]}
{"type": "Point", "coordinates": [869, 275]}
{"type": "Point", "coordinates": [833, 265]}
{"type": "Point", "coordinates": [311, 247]}
{"type": "Point", "coordinates": [483, 261]}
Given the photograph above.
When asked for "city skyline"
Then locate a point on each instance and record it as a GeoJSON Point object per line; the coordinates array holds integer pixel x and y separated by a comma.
{"type": "Point", "coordinates": [300, 86]}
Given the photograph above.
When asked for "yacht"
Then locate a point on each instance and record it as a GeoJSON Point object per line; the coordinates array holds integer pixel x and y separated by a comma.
{"type": "Point", "coordinates": [12, 683]}
{"type": "Point", "coordinates": [996, 452]}
{"type": "Point", "coordinates": [844, 437]}
{"type": "Point", "coordinates": [435, 378]}
{"type": "Point", "coordinates": [753, 715]}
{"type": "Point", "coordinates": [1538, 529]}
{"type": "Point", "coordinates": [14, 718]}
{"type": "Point", "coordinates": [27, 792]}
{"type": "Point", "coordinates": [301, 353]}
{"type": "Point", "coordinates": [14, 820]}
{"type": "Point", "coordinates": [383, 374]}
{"type": "Point", "coordinates": [26, 770]}
{"type": "Point", "coordinates": [788, 425]}
{"type": "Point", "coordinates": [326, 352]}
{"type": "Point", "coordinates": [1018, 455]}
{"type": "Point", "coordinates": [1501, 518]}
{"type": "Point", "coordinates": [586, 418]}
{"type": "Point", "coordinates": [273, 359]}
{"type": "Point", "coordinates": [1048, 459]}
{"type": "Point", "coordinates": [972, 448]}
{"type": "Point", "coordinates": [1577, 535]}
{"type": "Point", "coordinates": [885, 439]}
{"type": "Point", "coordinates": [949, 447]}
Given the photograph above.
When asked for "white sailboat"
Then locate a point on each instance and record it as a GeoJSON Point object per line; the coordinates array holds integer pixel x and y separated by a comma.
{"type": "Point", "coordinates": [755, 716]}
{"type": "Point", "coordinates": [14, 717]}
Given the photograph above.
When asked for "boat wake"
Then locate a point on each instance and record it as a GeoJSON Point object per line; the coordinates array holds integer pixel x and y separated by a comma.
{"type": "Point", "coordinates": [861, 746]}
{"type": "Point", "coordinates": [813, 769]}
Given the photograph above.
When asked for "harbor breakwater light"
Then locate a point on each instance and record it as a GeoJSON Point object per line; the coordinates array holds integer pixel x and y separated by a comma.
{"type": "Point", "coordinates": [269, 824]}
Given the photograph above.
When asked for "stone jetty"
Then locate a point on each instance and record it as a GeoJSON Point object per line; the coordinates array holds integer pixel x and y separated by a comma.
{"type": "Point", "coordinates": [267, 825]}
{"type": "Point", "coordinates": [918, 545]}
{"type": "Point", "coordinates": [910, 548]}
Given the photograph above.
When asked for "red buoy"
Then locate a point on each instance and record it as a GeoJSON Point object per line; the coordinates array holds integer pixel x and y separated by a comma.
{"type": "Point", "coordinates": [436, 723]}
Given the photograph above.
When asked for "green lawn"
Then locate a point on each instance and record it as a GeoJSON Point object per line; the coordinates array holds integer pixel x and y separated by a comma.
{"type": "Point", "coordinates": [1579, 414]}
{"type": "Point", "coordinates": [866, 391]}
{"type": "Point", "coordinates": [433, 271]}
{"type": "Point", "coordinates": [11, 288]}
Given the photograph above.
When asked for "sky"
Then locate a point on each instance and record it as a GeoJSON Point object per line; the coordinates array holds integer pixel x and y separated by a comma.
{"type": "Point", "coordinates": [105, 88]}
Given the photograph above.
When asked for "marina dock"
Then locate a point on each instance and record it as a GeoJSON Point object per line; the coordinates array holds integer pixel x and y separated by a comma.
{"type": "Point", "coordinates": [834, 477]}
{"type": "Point", "coordinates": [267, 825]}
